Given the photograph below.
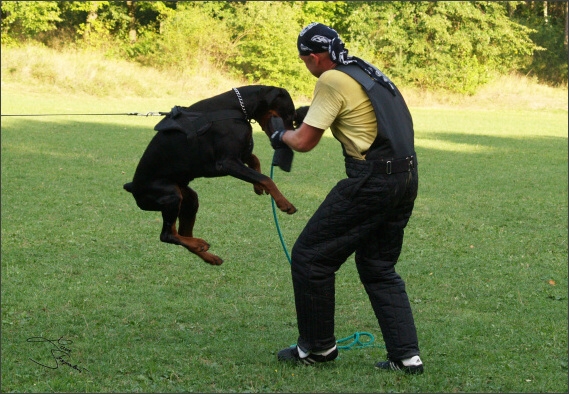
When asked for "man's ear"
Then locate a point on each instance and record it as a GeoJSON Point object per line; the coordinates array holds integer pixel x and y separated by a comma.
{"type": "Point", "coordinates": [321, 56]}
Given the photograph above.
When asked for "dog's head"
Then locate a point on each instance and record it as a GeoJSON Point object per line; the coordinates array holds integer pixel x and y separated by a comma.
{"type": "Point", "coordinates": [274, 101]}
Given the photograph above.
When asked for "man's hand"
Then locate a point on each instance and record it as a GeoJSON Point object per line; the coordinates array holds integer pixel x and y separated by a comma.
{"type": "Point", "coordinates": [283, 154]}
{"type": "Point", "coordinates": [276, 126]}
{"type": "Point", "coordinates": [277, 139]}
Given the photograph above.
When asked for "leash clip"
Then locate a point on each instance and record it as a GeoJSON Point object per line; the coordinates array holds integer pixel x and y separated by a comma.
{"type": "Point", "coordinates": [147, 114]}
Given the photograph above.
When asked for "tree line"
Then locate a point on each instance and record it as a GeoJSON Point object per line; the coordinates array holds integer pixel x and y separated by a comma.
{"type": "Point", "coordinates": [454, 45]}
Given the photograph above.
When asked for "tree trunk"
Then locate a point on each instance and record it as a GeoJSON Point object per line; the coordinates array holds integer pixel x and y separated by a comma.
{"type": "Point", "coordinates": [132, 21]}
{"type": "Point", "coordinates": [510, 9]}
{"type": "Point", "coordinates": [565, 41]}
{"type": "Point", "coordinates": [91, 17]}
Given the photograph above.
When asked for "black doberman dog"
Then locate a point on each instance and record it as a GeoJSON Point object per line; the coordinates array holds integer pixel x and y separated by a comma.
{"type": "Point", "coordinates": [211, 138]}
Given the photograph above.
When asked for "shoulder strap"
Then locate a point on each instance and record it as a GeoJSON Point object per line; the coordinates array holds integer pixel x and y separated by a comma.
{"type": "Point", "coordinates": [358, 74]}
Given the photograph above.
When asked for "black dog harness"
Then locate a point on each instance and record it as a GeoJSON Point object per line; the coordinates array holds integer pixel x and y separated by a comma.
{"type": "Point", "coordinates": [195, 123]}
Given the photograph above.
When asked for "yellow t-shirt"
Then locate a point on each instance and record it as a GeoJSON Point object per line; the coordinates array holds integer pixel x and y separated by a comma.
{"type": "Point", "coordinates": [341, 104]}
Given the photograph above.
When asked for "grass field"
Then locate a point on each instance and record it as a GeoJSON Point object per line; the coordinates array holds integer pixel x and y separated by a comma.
{"type": "Point", "coordinates": [485, 260]}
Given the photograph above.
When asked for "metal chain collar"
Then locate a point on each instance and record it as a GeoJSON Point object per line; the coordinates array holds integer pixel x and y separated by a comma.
{"type": "Point", "coordinates": [241, 102]}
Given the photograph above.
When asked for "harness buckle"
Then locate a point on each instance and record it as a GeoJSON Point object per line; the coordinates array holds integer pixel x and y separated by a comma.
{"type": "Point", "coordinates": [388, 167]}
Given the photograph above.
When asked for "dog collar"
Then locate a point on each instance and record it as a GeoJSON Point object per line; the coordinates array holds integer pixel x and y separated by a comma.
{"type": "Point", "coordinates": [241, 103]}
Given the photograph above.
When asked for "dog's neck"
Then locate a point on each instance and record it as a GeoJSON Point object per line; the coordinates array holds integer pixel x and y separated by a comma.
{"type": "Point", "coordinates": [265, 118]}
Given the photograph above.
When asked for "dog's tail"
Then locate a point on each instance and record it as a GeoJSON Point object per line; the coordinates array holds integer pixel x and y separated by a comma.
{"type": "Point", "coordinates": [128, 187]}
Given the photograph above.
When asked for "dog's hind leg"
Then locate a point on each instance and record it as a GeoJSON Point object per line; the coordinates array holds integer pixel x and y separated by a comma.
{"type": "Point", "coordinates": [187, 218]}
{"type": "Point", "coordinates": [171, 204]}
{"type": "Point", "coordinates": [188, 210]}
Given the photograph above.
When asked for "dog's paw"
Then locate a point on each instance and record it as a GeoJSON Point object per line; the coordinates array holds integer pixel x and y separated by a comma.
{"type": "Point", "coordinates": [259, 189]}
{"type": "Point", "coordinates": [210, 258]}
{"type": "Point", "coordinates": [285, 206]}
{"type": "Point", "coordinates": [197, 245]}
{"type": "Point", "coordinates": [289, 209]}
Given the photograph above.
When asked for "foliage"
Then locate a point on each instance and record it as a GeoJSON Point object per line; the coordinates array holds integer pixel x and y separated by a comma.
{"type": "Point", "coordinates": [457, 46]}
{"type": "Point", "coordinates": [550, 63]}
{"type": "Point", "coordinates": [22, 20]}
{"type": "Point", "coordinates": [190, 38]}
{"type": "Point", "coordinates": [331, 13]}
{"type": "Point", "coordinates": [266, 49]}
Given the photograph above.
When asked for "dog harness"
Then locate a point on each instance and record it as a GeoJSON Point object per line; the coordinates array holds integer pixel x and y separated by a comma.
{"type": "Point", "coordinates": [195, 123]}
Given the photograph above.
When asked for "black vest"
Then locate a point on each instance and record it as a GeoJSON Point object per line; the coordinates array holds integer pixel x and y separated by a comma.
{"type": "Point", "coordinates": [395, 135]}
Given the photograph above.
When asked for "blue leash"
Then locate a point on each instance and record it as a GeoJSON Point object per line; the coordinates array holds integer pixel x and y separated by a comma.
{"type": "Point", "coordinates": [355, 343]}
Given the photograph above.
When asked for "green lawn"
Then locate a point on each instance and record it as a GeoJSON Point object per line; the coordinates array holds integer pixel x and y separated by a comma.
{"type": "Point", "coordinates": [485, 261]}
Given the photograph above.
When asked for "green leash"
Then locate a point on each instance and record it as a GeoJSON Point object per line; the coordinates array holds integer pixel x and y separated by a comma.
{"type": "Point", "coordinates": [277, 222]}
{"type": "Point", "coordinates": [356, 342]}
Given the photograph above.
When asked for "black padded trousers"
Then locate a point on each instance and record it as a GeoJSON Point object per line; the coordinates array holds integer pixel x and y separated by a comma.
{"type": "Point", "coordinates": [365, 213]}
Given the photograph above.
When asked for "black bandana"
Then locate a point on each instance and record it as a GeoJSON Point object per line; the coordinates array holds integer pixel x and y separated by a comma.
{"type": "Point", "coordinates": [317, 38]}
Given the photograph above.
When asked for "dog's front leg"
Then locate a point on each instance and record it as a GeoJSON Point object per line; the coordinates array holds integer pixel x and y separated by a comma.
{"type": "Point", "coordinates": [240, 171]}
{"type": "Point", "coordinates": [271, 188]}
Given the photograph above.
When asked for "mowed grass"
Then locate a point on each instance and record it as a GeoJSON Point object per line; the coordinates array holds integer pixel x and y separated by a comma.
{"type": "Point", "coordinates": [484, 259]}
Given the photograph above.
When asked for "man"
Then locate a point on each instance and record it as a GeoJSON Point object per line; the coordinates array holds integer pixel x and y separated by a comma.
{"type": "Point", "coordinates": [364, 213]}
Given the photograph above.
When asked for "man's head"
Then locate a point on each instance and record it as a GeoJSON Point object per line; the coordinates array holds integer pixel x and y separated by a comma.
{"type": "Point", "coordinates": [315, 38]}
{"type": "Point", "coordinates": [314, 47]}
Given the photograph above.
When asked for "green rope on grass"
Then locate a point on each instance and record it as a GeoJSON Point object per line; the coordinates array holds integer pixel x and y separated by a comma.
{"type": "Point", "coordinates": [277, 222]}
{"type": "Point", "coordinates": [355, 343]}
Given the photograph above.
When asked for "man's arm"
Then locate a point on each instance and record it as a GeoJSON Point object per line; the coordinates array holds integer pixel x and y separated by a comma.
{"type": "Point", "coordinates": [303, 139]}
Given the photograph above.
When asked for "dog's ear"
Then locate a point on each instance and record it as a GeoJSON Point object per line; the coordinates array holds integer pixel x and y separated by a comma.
{"type": "Point", "coordinates": [299, 115]}
{"type": "Point", "coordinates": [269, 94]}
{"type": "Point", "coordinates": [274, 96]}
{"type": "Point", "coordinates": [266, 95]}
